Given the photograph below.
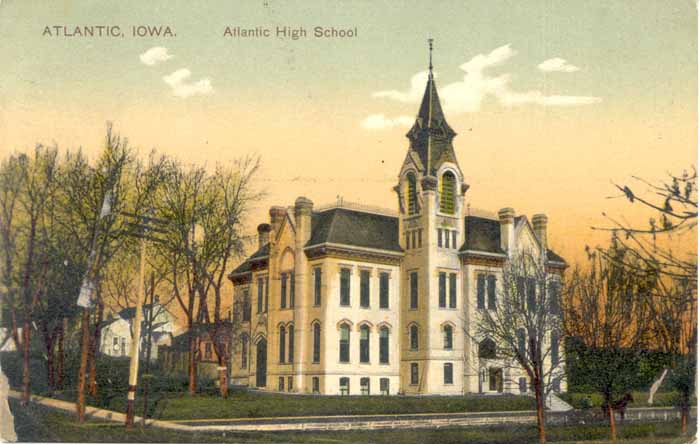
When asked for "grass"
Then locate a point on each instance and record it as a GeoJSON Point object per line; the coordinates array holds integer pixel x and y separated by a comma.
{"type": "Point", "coordinates": [661, 399]}
{"type": "Point", "coordinates": [38, 424]}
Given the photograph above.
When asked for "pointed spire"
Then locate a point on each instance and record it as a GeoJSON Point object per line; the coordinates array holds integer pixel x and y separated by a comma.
{"type": "Point", "coordinates": [430, 64]}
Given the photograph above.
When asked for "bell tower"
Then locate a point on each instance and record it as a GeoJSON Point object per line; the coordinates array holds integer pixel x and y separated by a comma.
{"type": "Point", "coordinates": [430, 192]}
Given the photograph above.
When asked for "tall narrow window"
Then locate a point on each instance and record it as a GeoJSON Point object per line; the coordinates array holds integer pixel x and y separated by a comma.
{"type": "Point", "coordinates": [261, 305]}
{"type": "Point", "coordinates": [364, 386]}
{"type": "Point", "coordinates": [267, 292]}
{"type": "Point", "coordinates": [291, 290]}
{"type": "Point", "coordinates": [555, 348]}
{"type": "Point", "coordinates": [246, 306]}
{"type": "Point", "coordinates": [344, 346]}
{"type": "Point", "coordinates": [383, 290]}
{"type": "Point", "coordinates": [454, 240]}
{"type": "Point", "coordinates": [244, 351]}
{"type": "Point", "coordinates": [480, 291]}
{"type": "Point", "coordinates": [344, 386]}
{"type": "Point", "coordinates": [446, 234]}
{"type": "Point", "coordinates": [414, 290]}
{"type": "Point", "coordinates": [447, 373]}
{"type": "Point", "coordinates": [447, 339]}
{"type": "Point", "coordinates": [413, 239]}
{"type": "Point", "coordinates": [283, 291]}
{"type": "Point", "coordinates": [520, 285]}
{"type": "Point", "coordinates": [384, 386]}
{"type": "Point", "coordinates": [407, 235]}
{"type": "Point", "coordinates": [442, 289]}
{"type": "Point", "coordinates": [384, 345]}
{"type": "Point", "coordinates": [364, 288]}
{"type": "Point", "coordinates": [317, 343]}
{"type": "Point", "coordinates": [345, 286]}
{"type": "Point", "coordinates": [283, 344]}
{"type": "Point", "coordinates": [317, 286]}
{"type": "Point", "coordinates": [291, 344]}
{"type": "Point", "coordinates": [315, 385]}
{"type": "Point", "coordinates": [414, 373]}
{"type": "Point", "coordinates": [420, 238]}
{"type": "Point", "coordinates": [411, 195]}
{"type": "Point", "coordinates": [414, 337]}
{"type": "Point", "coordinates": [531, 294]}
{"type": "Point", "coordinates": [439, 237]}
{"type": "Point", "coordinates": [447, 193]}
{"type": "Point", "coordinates": [453, 290]}
{"type": "Point", "coordinates": [364, 343]}
{"type": "Point", "coordinates": [521, 342]}
{"type": "Point", "coordinates": [554, 298]}
{"type": "Point", "coordinates": [492, 291]}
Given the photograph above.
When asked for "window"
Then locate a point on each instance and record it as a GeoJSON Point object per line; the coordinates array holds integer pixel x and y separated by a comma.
{"type": "Point", "coordinates": [246, 306]}
{"type": "Point", "coordinates": [447, 193]}
{"type": "Point", "coordinates": [480, 291]}
{"type": "Point", "coordinates": [439, 237]}
{"type": "Point", "coordinates": [521, 342]}
{"type": "Point", "coordinates": [413, 239]}
{"type": "Point", "coordinates": [244, 351]}
{"type": "Point", "coordinates": [442, 287]}
{"type": "Point", "coordinates": [454, 240]}
{"type": "Point", "coordinates": [414, 373]}
{"type": "Point", "coordinates": [260, 295]}
{"type": "Point", "coordinates": [521, 291]}
{"type": "Point", "coordinates": [364, 343]}
{"type": "Point", "coordinates": [317, 286]}
{"type": "Point", "coordinates": [345, 286]}
{"type": "Point", "coordinates": [447, 373]}
{"type": "Point", "coordinates": [491, 279]}
{"type": "Point", "coordinates": [364, 288]}
{"type": "Point", "coordinates": [555, 348]}
{"type": "Point", "coordinates": [384, 386]}
{"type": "Point", "coordinates": [383, 290]}
{"type": "Point", "coordinates": [446, 233]}
{"type": "Point", "coordinates": [414, 290]}
{"type": "Point", "coordinates": [344, 385]}
{"type": "Point", "coordinates": [364, 386]}
{"type": "Point", "coordinates": [291, 344]}
{"type": "Point", "coordinates": [420, 238]}
{"type": "Point", "coordinates": [453, 290]}
{"type": "Point", "coordinates": [280, 384]}
{"type": "Point", "coordinates": [283, 291]}
{"type": "Point", "coordinates": [317, 343]}
{"type": "Point", "coordinates": [407, 235]}
{"type": "Point", "coordinates": [487, 349]}
{"type": "Point", "coordinates": [123, 346]}
{"type": "Point", "coordinates": [384, 345]}
{"type": "Point", "coordinates": [315, 385]}
{"type": "Point", "coordinates": [411, 197]}
{"type": "Point", "coordinates": [207, 350]}
{"type": "Point", "coordinates": [414, 337]}
{"type": "Point", "coordinates": [291, 290]}
{"type": "Point", "coordinates": [447, 337]}
{"type": "Point", "coordinates": [531, 294]}
{"type": "Point", "coordinates": [283, 344]}
{"type": "Point", "coordinates": [522, 384]}
{"type": "Point", "coordinates": [344, 343]}
{"type": "Point", "coordinates": [554, 298]}
{"type": "Point", "coordinates": [290, 383]}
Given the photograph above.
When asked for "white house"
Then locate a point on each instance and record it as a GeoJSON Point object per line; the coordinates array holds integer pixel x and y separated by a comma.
{"type": "Point", "coordinates": [117, 331]}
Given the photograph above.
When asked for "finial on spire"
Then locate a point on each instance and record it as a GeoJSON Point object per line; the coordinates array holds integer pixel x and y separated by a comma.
{"type": "Point", "coordinates": [430, 50]}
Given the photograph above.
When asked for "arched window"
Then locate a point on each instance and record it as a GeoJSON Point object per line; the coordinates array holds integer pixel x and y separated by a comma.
{"type": "Point", "coordinates": [447, 193]}
{"type": "Point", "coordinates": [411, 196]}
{"type": "Point", "coordinates": [291, 343]}
{"type": "Point", "coordinates": [364, 343]}
{"type": "Point", "coordinates": [487, 349]}
{"type": "Point", "coordinates": [283, 344]}
{"type": "Point", "coordinates": [384, 345]}
{"type": "Point", "coordinates": [447, 339]}
{"type": "Point", "coordinates": [317, 342]}
{"type": "Point", "coordinates": [414, 337]}
{"type": "Point", "coordinates": [244, 351]}
{"type": "Point", "coordinates": [344, 347]}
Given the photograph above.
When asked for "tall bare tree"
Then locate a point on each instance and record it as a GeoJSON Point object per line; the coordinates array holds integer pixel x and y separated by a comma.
{"type": "Point", "coordinates": [523, 320]}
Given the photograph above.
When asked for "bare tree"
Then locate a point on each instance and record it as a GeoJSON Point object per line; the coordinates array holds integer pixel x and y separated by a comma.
{"type": "Point", "coordinates": [523, 321]}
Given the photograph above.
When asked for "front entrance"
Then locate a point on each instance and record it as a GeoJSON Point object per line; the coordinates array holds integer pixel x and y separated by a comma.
{"type": "Point", "coordinates": [261, 363]}
{"type": "Point", "coordinates": [496, 379]}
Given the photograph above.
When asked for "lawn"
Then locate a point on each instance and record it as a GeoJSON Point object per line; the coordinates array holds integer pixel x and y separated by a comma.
{"type": "Point", "coordinates": [38, 424]}
{"type": "Point", "coordinates": [246, 404]}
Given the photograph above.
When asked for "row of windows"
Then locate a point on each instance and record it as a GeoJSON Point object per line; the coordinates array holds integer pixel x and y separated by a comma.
{"type": "Point", "coordinates": [447, 238]}
{"type": "Point", "coordinates": [344, 344]}
{"type": "Point", "coordinates": [364, 385]}
{"type": "Point", "coordinates": [443, 301]}
{"type": "Point", "coordinates": [526, 289]}
{"type": "Point", "coordinates": [414, 238]}
{"type": "Point", "coordinates": [448, 192]}
{"type": "Point", "coordinates": [447, 373]}
{"type": "Point", "coordinates": [365, 276]}
{"type": "Point", "coordinates": [447, 337]}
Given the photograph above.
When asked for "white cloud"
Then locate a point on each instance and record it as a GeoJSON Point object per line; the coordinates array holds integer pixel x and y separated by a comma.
{"type": "Point", "coordinates": [557, 64]}
{"type": "Point", "coordinates": [478, 84]}
{"type": "Point", "coordinates": [380, 121]}
{"type": "Point", "coordinates": [183, 88]}
{"type": "Point", "coordinates": [155, 55]}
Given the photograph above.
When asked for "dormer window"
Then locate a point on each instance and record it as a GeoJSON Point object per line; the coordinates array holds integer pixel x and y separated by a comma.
{"type": "Point", "coordinates": [447, 193]}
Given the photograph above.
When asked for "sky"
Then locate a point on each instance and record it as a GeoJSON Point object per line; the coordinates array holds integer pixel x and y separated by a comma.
{"type": "Point", "coordinates": [553, 101]}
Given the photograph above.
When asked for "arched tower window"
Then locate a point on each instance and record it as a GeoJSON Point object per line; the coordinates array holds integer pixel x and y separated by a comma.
{"type": "Point", "coordinates": [447, 338]}
{"type": "Point", "coordinates": [411, 197]}
{"type": "Point", "coordinates": [413, 337]}
{"type": "Point", "coordinates": [283, 343]}
{"type": "Point", "coordinates": [317, 342]}
{"type": "Point", "coordinates": [487, 349]}
{"type": "Point", "coordinates": [447, 193]}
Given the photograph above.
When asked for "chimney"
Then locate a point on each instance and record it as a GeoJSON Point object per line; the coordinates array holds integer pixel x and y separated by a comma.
{"type": "Point", "coordinates": [539, 223]}
{"type": "Point", "coordinates": [302, 218]}
{"type": "Point", "coordinates": [263, 235]}
{"type": "Point", "coordinates": [277, 215]}
{"type": "Point", "coordinates": [507, 218]}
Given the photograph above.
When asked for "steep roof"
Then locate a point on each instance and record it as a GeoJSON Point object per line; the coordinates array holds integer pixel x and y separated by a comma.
{"type": "Point", "coordinates": [482, 234]}
{"type": "Point", "coordinates": [355, 228]}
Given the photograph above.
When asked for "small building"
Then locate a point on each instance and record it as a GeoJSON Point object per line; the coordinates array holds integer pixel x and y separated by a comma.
{"type": "Point", "coordinates": [174, 358]}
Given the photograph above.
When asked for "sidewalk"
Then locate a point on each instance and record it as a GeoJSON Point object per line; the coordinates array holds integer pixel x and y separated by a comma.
{"type": "Point", "coordinates": [350, 422]}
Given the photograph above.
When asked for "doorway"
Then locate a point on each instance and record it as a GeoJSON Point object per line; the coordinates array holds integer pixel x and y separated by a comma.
{"type": "Point", "coordinates": [261, 363]}
{"type": "Point", "coordinates": [496, 379]}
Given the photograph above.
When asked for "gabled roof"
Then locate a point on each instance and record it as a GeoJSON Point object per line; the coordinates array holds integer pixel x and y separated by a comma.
{"type": "Point", "coordinates": [354, 228]}
{"type": "Point", "coordinates": [247, 265]}
{"type": "Point", "coordinates": [129, 312]}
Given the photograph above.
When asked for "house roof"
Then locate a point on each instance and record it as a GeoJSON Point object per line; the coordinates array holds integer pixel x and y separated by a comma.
{"type": "Point", "coordinates": [482, 234]}
{"type": "Point", "coordinates": [129, 312]}
{"type": "Point", "coordinates": [356, 229]}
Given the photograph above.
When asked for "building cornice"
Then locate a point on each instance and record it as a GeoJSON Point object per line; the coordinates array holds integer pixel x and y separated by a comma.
{"type": "Point", "coordinates": [353, 252]}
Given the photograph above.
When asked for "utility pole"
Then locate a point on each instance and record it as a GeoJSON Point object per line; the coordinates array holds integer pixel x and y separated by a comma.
{"type": "Point", "coordinates": [136, 341]}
